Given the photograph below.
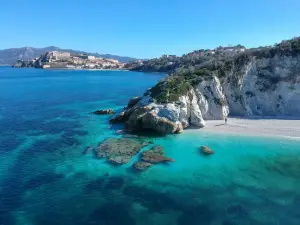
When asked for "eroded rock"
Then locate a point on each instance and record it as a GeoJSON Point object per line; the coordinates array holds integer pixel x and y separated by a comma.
{"type": "Point", "coordinates": [153, 156]}
{"type": "Point", "coordinates": [104, 112]}
{"type": "Point", "coordinates": [120, 118]}
{"type": "Point", "coordinates": [142, 165]}
{"type": "Point", "coordinates": [206, 150]}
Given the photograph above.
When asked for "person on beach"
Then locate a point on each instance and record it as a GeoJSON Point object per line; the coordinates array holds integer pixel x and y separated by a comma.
{"type": "Point", "coordinates": [225, 119]}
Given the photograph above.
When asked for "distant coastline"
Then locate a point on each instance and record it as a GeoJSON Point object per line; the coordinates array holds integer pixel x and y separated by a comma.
{"type": "Point", "coordinates": [68, 60]}
{"type": "Point", "coordinates": [63, 68]}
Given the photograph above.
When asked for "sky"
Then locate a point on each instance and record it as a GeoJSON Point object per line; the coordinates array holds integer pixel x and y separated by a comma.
{"type": "Point", "coordinates": [147, 28]}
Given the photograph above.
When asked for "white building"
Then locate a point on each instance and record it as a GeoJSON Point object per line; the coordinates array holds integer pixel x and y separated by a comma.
{"type": "Point", "coordinates": [56, 55]}
{"type": "Point", "coordinates": [89, 57]}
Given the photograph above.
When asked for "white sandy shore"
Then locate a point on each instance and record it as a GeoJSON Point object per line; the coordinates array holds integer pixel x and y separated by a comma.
{"type": "Point", "coordinates": [257, 127]}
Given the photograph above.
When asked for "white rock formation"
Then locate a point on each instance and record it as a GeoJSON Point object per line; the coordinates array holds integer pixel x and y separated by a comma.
{"type": "Point", "coordinates": [211, 99]}
{"type": "Point", "coordinates": [266, 87]}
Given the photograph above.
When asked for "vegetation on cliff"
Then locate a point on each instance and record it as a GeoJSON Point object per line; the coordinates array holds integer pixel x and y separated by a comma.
{"type": "Point", "coordinates": [191, 69]}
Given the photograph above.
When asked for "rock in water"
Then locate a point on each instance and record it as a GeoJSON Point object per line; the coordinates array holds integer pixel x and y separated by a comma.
{"type": "Point", "coordinates": [87, 150]}
{"type": "Point", "coordinates": [206, 150]}
{"type": "Point", "coordinates": [130, 136]}
{"type": "Point", "coordinates": [104, 112]}
{"type": "Point", "coordinates": [118, 118]}
{"type": "Point", "coordinates": [120, 132]}
{"type": "Point", "coordinates": [118, 150]}
{"type": "Point", "coordinates": [153, 156]}
{"type": "Point", "coordinates": [145, 143]}
{"type": "Point", "coordinates": [141, 165]}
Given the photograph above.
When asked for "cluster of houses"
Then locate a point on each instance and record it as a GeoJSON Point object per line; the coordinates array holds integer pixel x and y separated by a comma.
{"type": "Point", "coordinates": [57, 59]}
{"type": "Point", "coordinates": [225, 51]}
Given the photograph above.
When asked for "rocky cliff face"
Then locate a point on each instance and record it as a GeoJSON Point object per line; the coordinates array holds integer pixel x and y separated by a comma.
{"type": "Point", "coordinates": [263, 86]}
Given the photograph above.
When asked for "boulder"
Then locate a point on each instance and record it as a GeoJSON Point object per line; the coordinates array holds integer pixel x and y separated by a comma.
{"type": "Point", "coordinates": [134, 123]}
{"type": "Point", "coordinates": [118, 118]}
{"type": "Point", "coordinates": [179, 128]}
{"type": "Point", "coordinates": [161, 125]}
{"type": "Point", "coordinates": [206, 150]}
{"type": "Point", "coordinates": [118, 150]}
{"type": "Point", "coordinates": [104, 112]}
{"type": "Point", "coordinates": [133, 101]}
{"type": "Point", "coordinates": [155, 155]}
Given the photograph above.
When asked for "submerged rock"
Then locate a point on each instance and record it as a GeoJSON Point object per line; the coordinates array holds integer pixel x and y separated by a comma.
{"type": "Point", "coordinates": [206, 150]}
{"type": "Point", "coordinates": [153, 156]}
{"type": "Point", "coordinates": [87, 150]}
{"type": "Point", "coordinates": [142, 165]}
{"type": "Point", "coordinates": [118, 150]}
{"type": "Point", "coordinates": [94, 185]}
{"type": "Point", "coordinates": [111, 214]}
{"type": "Point", "coordinates": [115, 183]}
{"type": "Point", "coordinates": [130, 136]}
{"type": "Point", "coordinates": [145, 143]}
{"type": "Point", "coordinates": [104, 112]}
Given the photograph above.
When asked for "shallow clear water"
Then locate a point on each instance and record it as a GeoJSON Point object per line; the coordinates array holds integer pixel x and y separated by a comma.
{"type": "Point", "coordinates": [45, 125]}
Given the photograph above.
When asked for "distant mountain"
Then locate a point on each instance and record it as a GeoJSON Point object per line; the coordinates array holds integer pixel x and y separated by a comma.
{"type": "Point", "coordinates": [11, 55]}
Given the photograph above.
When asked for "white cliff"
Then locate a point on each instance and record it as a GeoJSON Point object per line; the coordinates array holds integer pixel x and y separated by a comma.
{"type": "Point", "coordinates": [260, 86]}
{"type": "Point", "coordinates": [266, 87]}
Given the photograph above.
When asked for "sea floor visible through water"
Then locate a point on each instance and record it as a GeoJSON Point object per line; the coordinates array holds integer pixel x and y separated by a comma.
{"type": "Point", "coordinates": [46, 124]}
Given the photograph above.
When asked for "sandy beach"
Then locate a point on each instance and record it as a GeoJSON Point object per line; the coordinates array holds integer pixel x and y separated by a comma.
{"type": "Point", "coordinates": [289, 128]}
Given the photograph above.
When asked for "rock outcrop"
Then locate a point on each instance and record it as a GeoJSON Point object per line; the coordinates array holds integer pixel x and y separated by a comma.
{"type": "Point", "coordinates": [254, 82]}
{"type": "Point", "coordinates": [104, 112]}
{"type": "Point", "coordinates": [118, 150]}
{"type": "Point", "coordinates": [118, 118]}
{"type": "Point", "coordinates": [155, 155]}
{"type": "Point", "coordinates": [141, 165]}
{"type": "Point", "coordinates": [150, 157]}
{"type": "Point", "coordinates": [206, 150]}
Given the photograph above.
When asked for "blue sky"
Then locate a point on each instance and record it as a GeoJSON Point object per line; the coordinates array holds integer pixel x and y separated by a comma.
{"type": "Point", "coordinates": [147, 28]}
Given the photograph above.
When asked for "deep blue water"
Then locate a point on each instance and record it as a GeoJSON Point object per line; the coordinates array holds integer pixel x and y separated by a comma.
{"type": "Point", "coordinates": [45, 125]}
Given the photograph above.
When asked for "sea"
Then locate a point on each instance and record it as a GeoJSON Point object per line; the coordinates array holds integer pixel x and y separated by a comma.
{"type": "Point", "coordinates": [45, 179]}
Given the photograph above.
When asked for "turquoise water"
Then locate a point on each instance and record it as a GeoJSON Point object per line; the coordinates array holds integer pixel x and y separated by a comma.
{"type": "Point", "coordinates": [45, 125]}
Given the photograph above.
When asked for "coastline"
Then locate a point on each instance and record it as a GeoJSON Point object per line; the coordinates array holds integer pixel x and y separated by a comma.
{"type": "Point", "coordinates": [84, 69]}
{"type": "Point", "coordinates": [267, 127]}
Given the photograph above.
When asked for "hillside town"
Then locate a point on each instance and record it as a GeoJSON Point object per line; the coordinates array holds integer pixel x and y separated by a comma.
{"type": "Point", "coordinates": [66, 60]}
{"type": "Point", "coordinates": [170, 63]}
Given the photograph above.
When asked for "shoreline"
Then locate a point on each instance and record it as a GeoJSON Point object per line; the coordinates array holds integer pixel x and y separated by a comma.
{"type": "Point", "coordinates": [266, 127]}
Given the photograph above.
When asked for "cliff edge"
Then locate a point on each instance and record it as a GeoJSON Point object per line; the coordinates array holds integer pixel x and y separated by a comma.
{"type": "Point", "coordinates": [254, 83]}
